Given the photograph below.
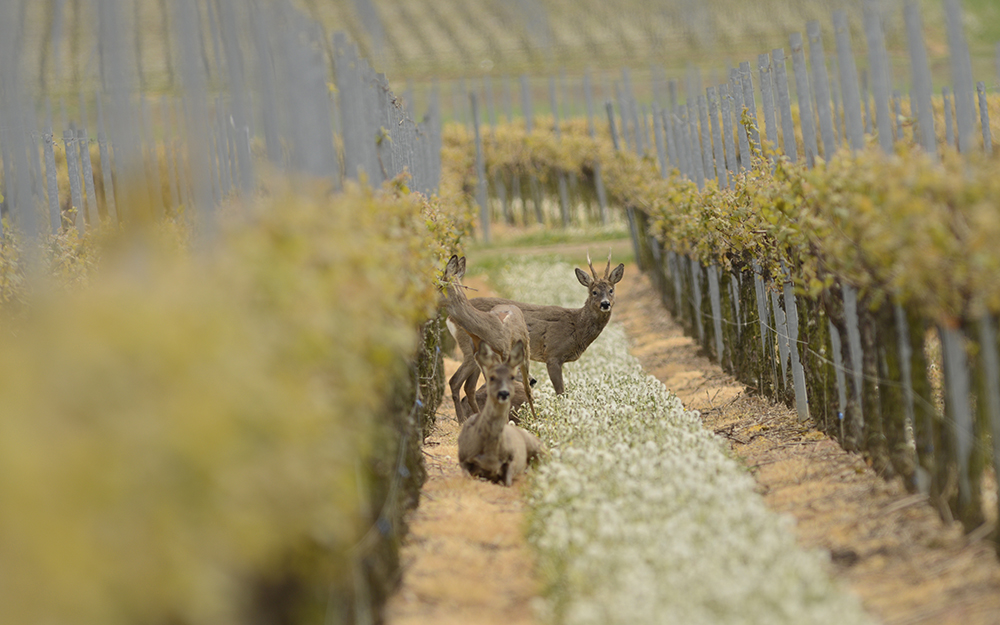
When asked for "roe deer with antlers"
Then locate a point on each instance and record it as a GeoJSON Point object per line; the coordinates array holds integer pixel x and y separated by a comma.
{"type": "Point", "coordinates": [499, 326]}
{"type": "Point", "coordinates": [488, 445]}
{"type": "Point", "coordinates": [558, 335]}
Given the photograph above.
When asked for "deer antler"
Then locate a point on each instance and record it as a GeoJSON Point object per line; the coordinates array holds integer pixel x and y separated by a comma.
{"type": "Point", "coordinates": [592, 271]}
{"type": "Point", "coordinates": [607, 269]}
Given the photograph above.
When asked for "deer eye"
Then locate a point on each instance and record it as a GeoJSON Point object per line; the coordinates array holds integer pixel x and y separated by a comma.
{"type": "Point", "coordinates": [611, 292]}
{"type": "Point", "coordinates": [594, 293]}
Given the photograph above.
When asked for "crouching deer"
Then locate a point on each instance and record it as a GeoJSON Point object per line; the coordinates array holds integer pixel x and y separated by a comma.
{"type": "Point", "coordinates": [499, 326]}
{"type": "Point", "coordinates": [488, 445]}
{"type": "Point", "coordinates": [559, 335]}
{"type": "Point", "coordinates": [517, 399]}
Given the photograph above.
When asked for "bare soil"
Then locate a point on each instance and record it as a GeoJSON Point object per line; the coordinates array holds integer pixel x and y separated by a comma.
{"type": "Point", "coordinates": [466, 560]}
{"type": "Point", "coordinates": [889, 546]}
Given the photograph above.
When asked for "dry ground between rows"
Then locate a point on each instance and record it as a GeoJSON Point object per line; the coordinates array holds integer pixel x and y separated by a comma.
{"type": "Point", "coordinates": [466, 560]}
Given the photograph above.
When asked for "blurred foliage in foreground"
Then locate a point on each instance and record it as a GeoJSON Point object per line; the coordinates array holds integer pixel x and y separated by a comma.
{"type": "Point", "coordinates": [191, 424]}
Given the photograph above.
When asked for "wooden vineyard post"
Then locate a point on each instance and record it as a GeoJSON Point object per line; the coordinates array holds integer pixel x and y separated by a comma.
{"type": "Point", "coordinates": [921, 81]}
{"type": "Point", "coordinates": [879, 63]}
{"type": "Point", "coordinates": [874, 437]}
{"type": "Point", "coordinates": [798, 374]}
{"type": "Point", "coordinates": [602, 196]}
{"type": "Point", "coordinates": [949, 131]}
{"type": "Point", "coordinates": [821, 88]}
{"type": "Point", "coordinates": [767, 100]}
{"type": "Point", "coordinates": [781, 333]}
{"type": "Point", "coordinates": [76, 196]}
{"type": "Point", "coordinates": [529, 116]}
{"type": "Point", "coordinates": [629, 211]}
{"type": "Point", "coordinates": [669, 129]}
{"type": "Point", "coordinates": [51, 180]}
{"type": "Point", "coordinates": [746, 80]}
{"type": "Point", "coordinates": [683, 143]}
{"type": "Point", "coordinates": [984, 118]}
{"type": "Point", "coordinates": [854, 415]}
{"type": "Point", "coordinates": [803, 92]}
{"type": "Point", "coordinates": [988, 396]}
{"type": "Point", "coordinates": [959, 425]}
{"type": "Point", "coordinates": [515, 182]}
{"type": "Point", "coordinates": [767, 367]}
{"type": "Point", "coordinates": [725, 100]}
{"type": "Point", "coordinates": [563, 190]}
{"type": "Point", "coordinates": [784, 103]}
{"type": "Point", "coordinates": [696, 306]}
{"type": "Point", "coordinates": [716, 302]}
{"type": "Point", "coordinates": [694, 145]}
{"type": "Point", "coordinates": [678, 280]}
{"type": "Point", "coordinates": [708, 161]}
{"type": "Point", "coordinates": [481, 199]}
{"type": "Point", "coordinates": [661, 148]}
{"type": "Point", "coordinates": [736, 89]}
{"type": "Point", "coordinates": [818, 371]}
{"type": "Point", "coordinates": [908, 461]}
{"type": "Point", "coordinates": [83, 142]}
{"type": "Point", "coordinates": [720, 157]}
{"type": "Point", "coordinates": [849, 82]}
{"type": "Point", "coordinates": [961, 75]}
{"type": "Point", "coordinates": [498, 181]}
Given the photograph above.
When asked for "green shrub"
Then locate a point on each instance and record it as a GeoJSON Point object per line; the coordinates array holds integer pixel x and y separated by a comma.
{"type": "Point", "coordinates": [197, 428]}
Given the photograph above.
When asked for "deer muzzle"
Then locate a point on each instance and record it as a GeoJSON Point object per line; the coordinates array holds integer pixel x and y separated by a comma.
{"type": "Point", "coordinates": [605, 305]}
{"type": "Point", "coordinates": [503, 395]}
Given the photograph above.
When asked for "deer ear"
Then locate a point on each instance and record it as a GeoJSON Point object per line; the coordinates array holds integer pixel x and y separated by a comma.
{"type": "Point", "coordinates": [516, 352]}
{"type": "Point", "coordinates": [617, 274]}
{"type": "Point", "coordinates": [583, 277]}
{"type": "Point", "coordinates": [486, 357]}
{"type": "Point", "coordinates": [461, 267]}
{"type": "Point", "coordinates": [451, 269]}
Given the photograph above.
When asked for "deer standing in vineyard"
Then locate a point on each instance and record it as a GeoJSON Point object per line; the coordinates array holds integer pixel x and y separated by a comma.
{"type": "Point", "coordinates": [489, 445]}
{"type": "Point", "coordinates": [499, 326]}
{"type": "Point", "coordinates": [557, 335]}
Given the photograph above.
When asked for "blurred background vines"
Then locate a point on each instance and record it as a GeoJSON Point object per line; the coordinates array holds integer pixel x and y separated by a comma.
{"type": "Point", "coordinates": [222, 224]}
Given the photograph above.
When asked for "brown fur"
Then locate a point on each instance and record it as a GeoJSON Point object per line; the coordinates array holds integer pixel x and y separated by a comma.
{"type": "Point", "coordinates": [517, 399]}
{"type": "Point", "coordinates": [559, 335]}
{"type": "Point", "coordinates": [499, 326]}
{"type": "Point", "coordinates": [488, 445]}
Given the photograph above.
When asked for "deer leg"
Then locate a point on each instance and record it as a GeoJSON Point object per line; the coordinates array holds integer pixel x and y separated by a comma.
{"type": "Point", "coordinates": [555, 374]}
{"type": "Point", "coordinates": [470, 387]}
{"type": "Point", "coordinates": [463, 373]}
{"type": "Point", "coordinates": [527, 388]}
{"type": "Point", "coordinates": [456, 388]}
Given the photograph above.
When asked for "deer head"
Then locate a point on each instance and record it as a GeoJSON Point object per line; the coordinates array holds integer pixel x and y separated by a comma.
{"type": "Point", "coordinates": [499, 373]}
{"type": "Point", "coordinates": [602, 290]}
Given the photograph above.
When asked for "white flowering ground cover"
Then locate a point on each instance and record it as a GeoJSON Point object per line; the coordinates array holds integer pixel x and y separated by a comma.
{"type": "Point", "coordinates": [639, 515]}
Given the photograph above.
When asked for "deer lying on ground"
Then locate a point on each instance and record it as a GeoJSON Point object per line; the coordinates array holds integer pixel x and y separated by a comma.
{"type": "Point", "coordinates": [517, 399]}
{"type": "Point", "coordinates": [499, 326]}
{"type": "Point", "coordinates": [488, 445]}
{"type": "Point", "coordinates": [557, 335]}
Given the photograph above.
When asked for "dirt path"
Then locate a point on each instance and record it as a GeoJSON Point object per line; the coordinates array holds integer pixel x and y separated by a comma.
{"type": "Point", "coordinates": [465, 561]}
{"type": "Point", "coordinates": [889, 546]}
